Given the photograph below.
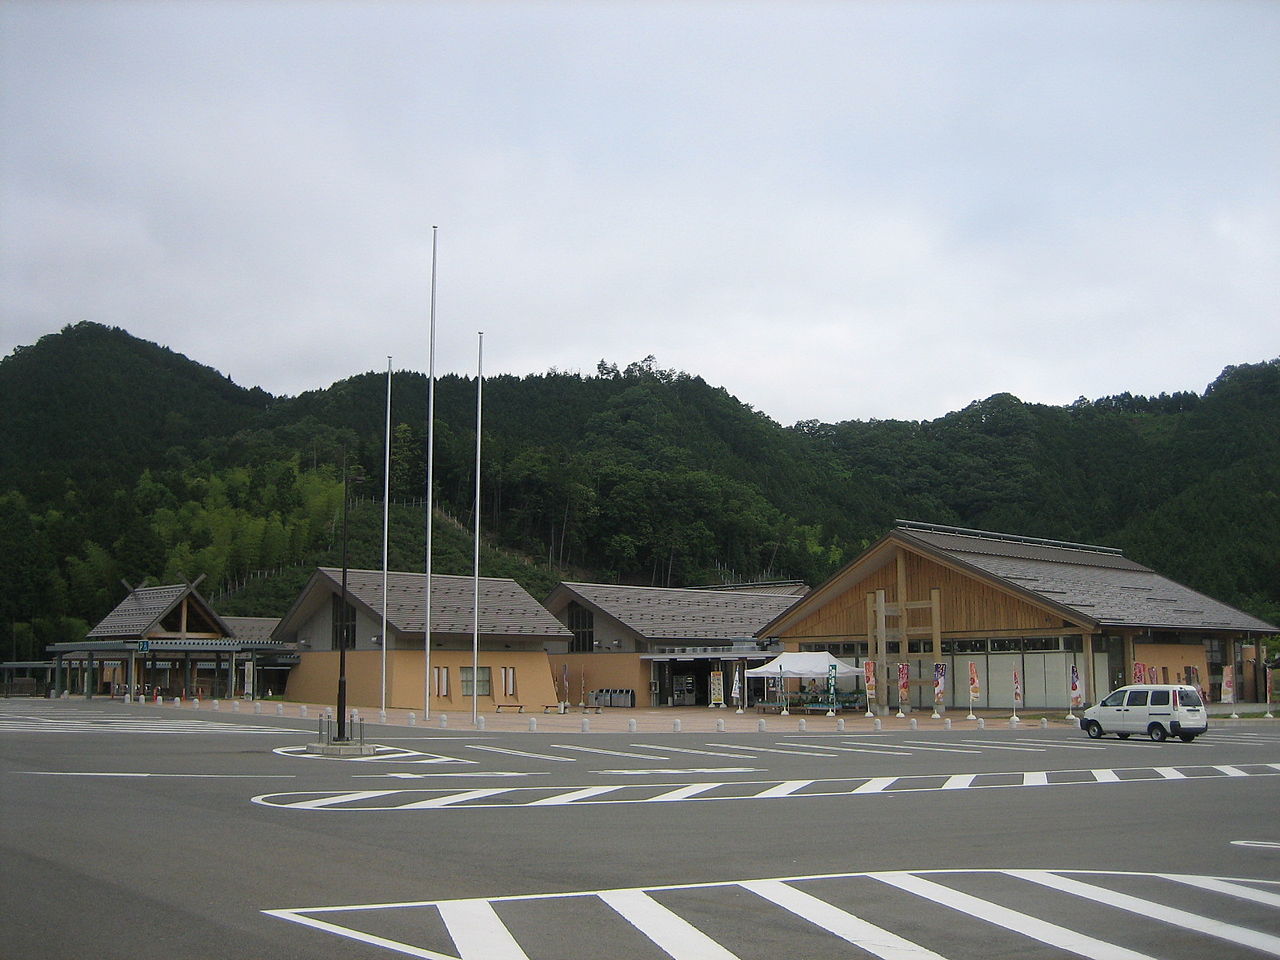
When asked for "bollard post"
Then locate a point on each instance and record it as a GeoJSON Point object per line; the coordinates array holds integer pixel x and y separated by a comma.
{"type": "Point", "coordinates": [946, 724]}
{"type": "Point", "coordinates": [915, 724]}
{"type": "Point", "coordinates": [1044, 722]}
{"type": "Point", "coordinates": [302, 711]}
{"type": "Point", "coordinates": [279, 709]}
{"type": "Point", "coordinates": [761, 726]}
{"type": "Point", "coordinates": [480, 721]}
{"type": "Point", "coordinates": [257, 706]}
{"type": "Point", "coordinates": [216, 704]}
{"type": "Point", "coordinates": [413, 719]}
{"type": "Point", "coordinates": [533, 724]}
{"type": "Point", "coordinates": [877, 725]}
{"type": "Point", "coordinates": [720, 725]}
{"type": "Point", "coordinates": [235, 706]}
{"type": "Point", "coordinates": [982, 723]}
{"type": "Point", "coordinates": [586, 724]}
{"type": "Point", "coordinates": [800, 725]}
{"type": "Point", "coordinates": [675, 725]}
{"type": "Point", "coordinates": [195, 703]}
{"type": "Point", "coordinates": [631, 725]}
{"type": "Point", "coordinates": [177, 701]}
{"type": "Point", "coordinates": [444, 720]}
{"type": "Point", "coordinates": [840, 725]}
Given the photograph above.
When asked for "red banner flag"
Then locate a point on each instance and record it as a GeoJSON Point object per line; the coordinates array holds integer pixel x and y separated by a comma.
{"type": "Point", "coordinates": [975, 691]}
{"type": "Point", "coordinates": [869, 679]}
{"type": "Point", "coordinates": [904, 685]}
{"type": "Point", "coordinates": [1077, 697]}
{"type": "Point", "coordinates": [1017, 687]}
{"type": "Point", "coordinates": [939, 682]}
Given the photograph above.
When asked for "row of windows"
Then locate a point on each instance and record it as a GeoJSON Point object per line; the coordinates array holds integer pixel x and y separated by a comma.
{"type": "Point", "coordinates": [482, 681]}
{"type": "Point", "coordinates": [950, 647]}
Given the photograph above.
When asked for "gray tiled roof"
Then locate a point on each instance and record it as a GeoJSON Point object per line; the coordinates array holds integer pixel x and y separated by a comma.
{"type": "Point", "coordinates": [660, 613]}
{"type": "Point", "coordinates": [140, 611]}
{"type": "Point", "coordinates": [251, 629]}
{"type": "Point", "coordinates": [1097, 582]}
{"type": "Point", "coordinates": [506, 608]}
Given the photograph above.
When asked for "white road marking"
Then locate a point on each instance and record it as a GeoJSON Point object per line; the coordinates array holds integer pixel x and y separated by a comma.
{"type": "Point", "coordinates": [766, 789]}
{"type": "Point", "coordinates": [875, 940]}
{"type": "Point", "coordinates": [437, 802]}
{"type": "Point", "coordinates": [784, 789]}
{"type": "Point", "coordinates": [1238, 890]}
{"type": "Point", "coordinates": [683, 793]}
{"type": "Point", "coordinates": [795, 753]}
{"type": "Point", "coordinates": [1072, 941]}
{"type": "Point", "coordinates": [478, 933]}
{"type": "Point", "coordinates": [671, 932]}
{"type": "Point", "coordinates": [179, 776]}
{"type": "Point", "coordinates": [705, 753]}
{"type": "Point", "coordinates": [879, 750]}
{"type": "Point", "coordinates": [1001, 745]}
{"type": "Point", "coordinates": [523, 753]}
{"type": "Point", "coordinates": [1253, 939]}
{"type": "Point", "coordinates": [924, 745]}
{"type": "Point", "coordinates": [582, 794]}
{"type": "Point", "coordinates": [401, 775]}
{"type": "Point", "coordinates": [1263, 844]}
{"type": "Point", "coordinates": [608, 753]}
{"type": "Point", "coordinates": [1060, 746]}
{"type": "Point", "coordinates": [1231, 771]}
{"type": "Point", "coordinates": [671, 771]}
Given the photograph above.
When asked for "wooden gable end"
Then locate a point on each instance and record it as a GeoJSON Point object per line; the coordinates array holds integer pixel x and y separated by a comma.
{"type": "Point", "coordinates": [970, 605]}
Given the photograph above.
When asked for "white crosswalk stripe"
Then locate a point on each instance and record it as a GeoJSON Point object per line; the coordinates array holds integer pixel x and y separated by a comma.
{"type": "Point", "coordinates": [544, 796]}
{"type": "Point", "coordinates": [709, 921]}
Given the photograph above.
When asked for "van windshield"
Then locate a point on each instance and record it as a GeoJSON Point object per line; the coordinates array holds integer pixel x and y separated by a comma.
{"type": "Point", "coordinates": [1189, 698]}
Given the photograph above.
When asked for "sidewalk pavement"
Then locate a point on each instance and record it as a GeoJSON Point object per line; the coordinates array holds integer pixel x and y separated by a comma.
{"type": "Point", "coordinates": [653, 720]}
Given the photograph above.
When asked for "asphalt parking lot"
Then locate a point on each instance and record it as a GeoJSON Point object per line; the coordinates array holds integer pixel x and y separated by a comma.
{"type": "Point", "coordinates": [145, 832]}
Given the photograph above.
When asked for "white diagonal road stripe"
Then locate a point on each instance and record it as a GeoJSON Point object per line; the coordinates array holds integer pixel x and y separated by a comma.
{"type": "Point", "coordinates": [677, 936]}
{"type": "Point", "coordinates": [478, 933]}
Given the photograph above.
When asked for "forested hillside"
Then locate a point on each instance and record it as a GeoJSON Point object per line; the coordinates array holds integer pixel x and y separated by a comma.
{"type": "Point", "coordinates": [120, 459]}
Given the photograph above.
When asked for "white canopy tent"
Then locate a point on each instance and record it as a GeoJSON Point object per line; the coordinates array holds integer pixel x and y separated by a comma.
{"type": "Point", "coordinates": [803, 665]}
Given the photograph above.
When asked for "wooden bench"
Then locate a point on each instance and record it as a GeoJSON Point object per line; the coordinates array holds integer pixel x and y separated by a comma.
{"type": "Point", "coordinates": [518, 707]}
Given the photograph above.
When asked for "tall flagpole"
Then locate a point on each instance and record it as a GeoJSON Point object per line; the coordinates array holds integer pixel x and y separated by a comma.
{"type": "Point", "coordinates": [431, 448]}
{"type": "Point", "coordinates": [475, 613]}
{"type": "Point", "coordinates": [386, 525]}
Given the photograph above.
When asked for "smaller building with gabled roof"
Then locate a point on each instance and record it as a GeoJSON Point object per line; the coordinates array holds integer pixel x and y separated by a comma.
{"type": "Point", "coordinates": [513, 630]}
{"type": "Point", "coordinates": [1011, 611]}
{"type": "Point", "coordinates": [663, 643]}
{"type": "Point", "coordinates": [167, 640]}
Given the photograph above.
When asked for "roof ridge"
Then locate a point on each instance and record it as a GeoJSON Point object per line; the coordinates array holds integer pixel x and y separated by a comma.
{"type": "Point", "coordinates": [1005, 537]}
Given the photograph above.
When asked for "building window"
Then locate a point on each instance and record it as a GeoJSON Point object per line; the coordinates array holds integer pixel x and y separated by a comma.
{"type": "Point", "coordinates": [582, 626]}
{"type": "Point", "coordinates": [483, 682]}
{"type": "Point", "coordinates": [440, 681]}
{"type": "Point", "coordinates": [1006, 644]}
{"type": "Point", "coordinates": [339, 625]}
{"type": "Point", "coordinates": [1041, 644]}
{"type": "Point", "coordinates": [508, 681]}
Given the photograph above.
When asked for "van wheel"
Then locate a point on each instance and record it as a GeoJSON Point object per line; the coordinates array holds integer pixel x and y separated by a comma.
{"type": "Point", "coordinates": [1157, 733]}
{"type": "Point", "coordinates": [1186, 737]}
{"type": "Point", "coordinates": [1093, 729]}
{"type": "Point", "coordinates": [1123, 736]}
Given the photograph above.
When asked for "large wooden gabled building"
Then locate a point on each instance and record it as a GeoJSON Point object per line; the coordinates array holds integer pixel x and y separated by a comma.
{"type": "Point", "coordinates": [926, 594]}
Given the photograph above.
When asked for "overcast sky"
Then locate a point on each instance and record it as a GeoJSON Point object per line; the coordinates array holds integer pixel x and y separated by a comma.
{"type": "Point", "coordinates": [834, 210]}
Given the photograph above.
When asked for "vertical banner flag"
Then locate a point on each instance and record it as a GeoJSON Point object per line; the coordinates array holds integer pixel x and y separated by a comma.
{"type": "Point", "coordinates": [1017, 687]}
{"type": "Point", "coordinates": [737, 686]}
{"type": "Point", "coordinates": [1077, 697]}
{"type": "Point", "coordinates": [1228, 684]}
{"type": "Point", "coordinates": [975, 691]}
{"type": "Point", "coordinates": [1139, 672]}
{"type": "Point", "coordinates": [1195, 682]}
{"type": "Point", "coordinates": [904, 684]}
{"type": "Point", "coordinates": [831, 682]}
{"type": "Point", "coordinates": [939, 682]}
{"type": "Point", "coordinates": [1153, 675]}
{"type": "Point", "coordinates": [564, 675]}
{"type": "Point", "coordinates": [869, 678]}
{"type": "Point", "coordinates": [717, 688]}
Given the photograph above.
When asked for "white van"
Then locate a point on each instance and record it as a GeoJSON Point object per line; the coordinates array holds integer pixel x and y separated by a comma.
{"type": "Point", "coordinates": [1158, 710]}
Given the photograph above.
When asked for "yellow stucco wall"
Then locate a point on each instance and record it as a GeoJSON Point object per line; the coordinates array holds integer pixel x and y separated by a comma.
{"type": "Point", "coordinates": [315, 678]}
{"type": "Point", "coordinates": [602, 671]}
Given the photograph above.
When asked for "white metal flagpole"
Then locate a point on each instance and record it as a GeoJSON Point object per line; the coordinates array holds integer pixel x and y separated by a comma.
{"type": "Point", "coordinates": [431, 434]}
{"type": "Point", "coordinates": [475, 614]}
{"type": "Point", "coordinates": [386, 517]}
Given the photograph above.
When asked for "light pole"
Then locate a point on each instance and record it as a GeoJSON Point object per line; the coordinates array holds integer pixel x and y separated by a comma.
{"type": "Point", "coordinates": [343, 629]}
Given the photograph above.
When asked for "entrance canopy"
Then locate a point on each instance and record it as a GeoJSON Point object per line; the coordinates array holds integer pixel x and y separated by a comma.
{"type": "Point", "coordinates": [803, 665]}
